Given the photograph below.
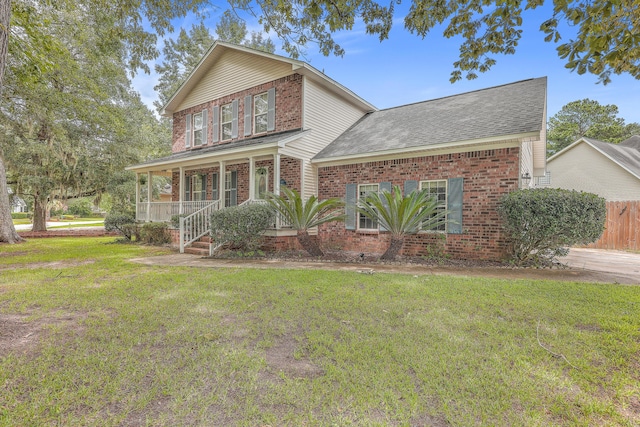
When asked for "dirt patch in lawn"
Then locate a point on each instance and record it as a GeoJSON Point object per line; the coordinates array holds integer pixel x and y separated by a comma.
{"type": "Point", "coordinates": [51, 264]}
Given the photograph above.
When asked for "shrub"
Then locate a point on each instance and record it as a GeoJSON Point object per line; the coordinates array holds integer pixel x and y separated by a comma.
{"type": "Point", "coordinates": [155, 233]}
{"type": "Point", "coordinates": [542, 223]}
{"type": "Point", "coordinates": [124, 224]}
{"type": "Point", "coordinates": [20, 215]}
{"type": "Point", "coordinates": [80, 207]}
{"type": "Point", "coordinates": [241, 227]}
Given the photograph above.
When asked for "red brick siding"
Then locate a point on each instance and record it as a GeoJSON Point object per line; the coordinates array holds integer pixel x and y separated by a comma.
{"type": "Point", "coordinates": [290, 170]}
{"type": "Point", "coordinates": [487, 174]}
{"type": "Point", "coordinates": [288, 111]}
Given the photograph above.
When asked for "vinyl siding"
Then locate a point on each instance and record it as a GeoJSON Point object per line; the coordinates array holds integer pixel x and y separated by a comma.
{"type": "Point", "coordinates": [233, 72]}
{"type": "Point", "coordinates": [526, 161]}
{"type": "Point", "coordinates": [583, 168]}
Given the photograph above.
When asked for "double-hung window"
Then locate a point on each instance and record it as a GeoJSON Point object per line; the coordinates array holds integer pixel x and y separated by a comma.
{"type": "Point", "coordinates": [198, 187]}
{"type": "Point", "coordinates": [364, 222]}
{"type": "Point", "coordinates": [226, 121]}
{"type": "Point", "coordinates": [260, 112]}
{"type": "Point", "coordinates": [437, 189]}
{"type": "Point", "coordinates": [197, 129]}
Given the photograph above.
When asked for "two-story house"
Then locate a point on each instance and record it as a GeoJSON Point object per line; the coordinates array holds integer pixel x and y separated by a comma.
{"type": "Point", "coordinates": [246, 122]}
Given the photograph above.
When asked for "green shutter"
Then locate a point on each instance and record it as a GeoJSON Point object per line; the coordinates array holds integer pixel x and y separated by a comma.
{"type": "Point", "coordinates": [384, 186]}
{"type": "Point", "coordinates": [350, 206]}
{"type": "Point", "coordinates": [409, 186]}
{"type": "Point", "coordinates": [214, 187]}
{"type": "Point", "coordinates": [234, 188]}
{"type": "Point", "coordinates": [454, 205]}
{"type": "Point", "coordinates": [187, 189]}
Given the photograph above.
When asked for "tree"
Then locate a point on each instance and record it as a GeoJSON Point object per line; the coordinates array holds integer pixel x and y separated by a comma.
{"type": "Point", "coordinates": [183, 54]}
{"type": "Point", "coordinates": [401, 215]}
{"type": "Point", "coordinates": [305, 215]}
{"type": "Point", "coordinates": [590, 119]}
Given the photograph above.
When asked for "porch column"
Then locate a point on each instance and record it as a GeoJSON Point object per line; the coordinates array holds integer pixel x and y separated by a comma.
{"type": "Point", "coordinates": [276, 174]}
{"type": "Point", "coordinates": [252, 181]}
{"type": "Point", "coordinates": [137, 196]}
{"type": "Point", "coordinates": [181, 191]}
{"type": "Point", "coordinates": [149, 195]}
{"type": "Point", "coordinates": [221, 183]}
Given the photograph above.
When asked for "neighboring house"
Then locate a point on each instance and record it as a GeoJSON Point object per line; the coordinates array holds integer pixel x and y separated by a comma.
{"type": "Point", "coordinates": [611, 171]}
{"type": "Point", "coordinates": [246, 122]}
{"type": "Point", "coordinates": [18, 205]}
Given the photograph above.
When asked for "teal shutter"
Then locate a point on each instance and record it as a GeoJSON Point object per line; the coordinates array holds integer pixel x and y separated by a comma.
{"type": "Point", "coordinates": [384, 186]}
{"type": "Point", "coordinates": [410, 186]}
{"type": "Point", "coordinates": [351, 198]}
{"type": "Point", "coordinates": [216, 124]}
{"type": "Point", "coordinates": [205, 118]}
{"type": "Point", "coordinates": [187, 189]}
{"type": "Point", "coordinates": [247, 115]}
{"type": "Point", "coordinates": [234, 189]}
{"type": "Point", "coordinates": [454, 205]}
{"type": "Point", "coordinates": [187, 139]}
{"type": "Point", "coordinates": [203, 193]}
{"type": "Point", "coordinates": [234, 122]}
{"type": "Point", "coordinates": [271, 109]}
{"type": "Point", "coordinates": [214, 186]}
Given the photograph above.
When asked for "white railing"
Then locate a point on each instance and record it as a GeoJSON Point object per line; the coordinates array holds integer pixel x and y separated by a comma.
{"type": "Point", "coordinates": [163, 211]}
{"type": "Point", "coordinates": [197, 224]}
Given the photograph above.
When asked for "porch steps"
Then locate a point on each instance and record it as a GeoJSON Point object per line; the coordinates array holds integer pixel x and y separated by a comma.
{"type": "Point", "coordinates": [199, 247]}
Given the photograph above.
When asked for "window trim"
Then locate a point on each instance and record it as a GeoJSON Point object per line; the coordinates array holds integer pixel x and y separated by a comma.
{"type": "Point", "coordinates": [360, 216]}
{"type": "Point", "coordinates": [202, 179]}
{"type": "Point", "coordinates": [442, 206]}
{"type": "Point", "coordinates": [223, 123]}
{"type": "Point", "coordinates": [264, 95]}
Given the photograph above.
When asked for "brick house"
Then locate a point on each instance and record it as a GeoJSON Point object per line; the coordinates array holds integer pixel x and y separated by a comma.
{"type": "Point", "coordinates": [246, 122]}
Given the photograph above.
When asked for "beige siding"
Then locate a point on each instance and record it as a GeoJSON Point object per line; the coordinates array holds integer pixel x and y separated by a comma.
{"type": "Point", "coordinates": [327, 116]}
{"type": "Point", "coordinates": [583, 168]}
{"type": "Point", "coordinates": [233, 72]}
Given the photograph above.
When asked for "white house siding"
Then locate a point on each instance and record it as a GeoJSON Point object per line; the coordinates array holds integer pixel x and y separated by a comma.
{"type": "Point", "coordinates": [526, 161]}
{"type": "Point", "coordinates": [327, 116]}
{"type": "Point", "coordinates": [540, 147]}
{"type": "Point", "coordinates": [233, 72]}
{"type": "Point", "coordinates": [586, 169]}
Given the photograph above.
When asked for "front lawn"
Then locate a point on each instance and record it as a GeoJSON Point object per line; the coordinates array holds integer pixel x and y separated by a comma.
{"type": "Point", "coordinates": [88, 338]}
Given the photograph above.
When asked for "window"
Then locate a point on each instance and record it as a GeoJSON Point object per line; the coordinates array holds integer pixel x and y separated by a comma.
{"type": "Point", "coordinates": [198, 188]}
{"type": "Point", "coordinates": [437, 189]}
{"type": "Point", "coordinates": [364, 222]}
{"type": "Point", "coordinates": [226, 121]}
{"type": "Point", "coordinates": [260, 110]}
{"type": "Point", "coordinates": [197, 129]}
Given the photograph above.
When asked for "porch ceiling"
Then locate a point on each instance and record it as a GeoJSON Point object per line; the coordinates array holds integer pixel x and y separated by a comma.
{"type": "Point", "coordinates": [264, 145]}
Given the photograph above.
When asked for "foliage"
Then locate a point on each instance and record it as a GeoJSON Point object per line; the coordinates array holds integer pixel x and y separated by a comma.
{"type": "Point", "coordinates": [21, 215]}
{"type": "Point", "coordinates": [587, 118]}
{"type": "Point", "coordinates": [401, 215]}
{"type": "Point", "coordinates": [123, 223]}
{"type": "Point", "coordinates": [304, 215]}
{"type": "Point", "coordinates": [155, 233]}
{"type": "Point", "coordinates": [80, 207]}
{"type": "Point", "coordinates": [241, 227]}
{"type": "Point", "coordinates": [542, 223]}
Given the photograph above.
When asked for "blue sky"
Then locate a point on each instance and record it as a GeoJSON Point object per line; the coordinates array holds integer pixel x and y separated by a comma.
{"type": "Point", "coordinates": [406, 68]}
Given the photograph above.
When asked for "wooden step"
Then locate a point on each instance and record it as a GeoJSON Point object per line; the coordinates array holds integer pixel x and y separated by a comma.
{"type": "Point", "coordinates": [199, 244]}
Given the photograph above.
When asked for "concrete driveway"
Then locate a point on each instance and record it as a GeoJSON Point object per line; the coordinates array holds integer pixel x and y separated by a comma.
{"type": "Point", "coordinates": [625, 264]}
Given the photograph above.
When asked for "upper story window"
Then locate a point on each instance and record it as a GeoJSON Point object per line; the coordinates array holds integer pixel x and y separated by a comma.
{"type": "Point", "coordinates": [437, 189]}
{"type": "Point", "coordinates": [364, 222]}
{"type": "Point", "coordinates": [197, 129]}
{"type": "Point", "coordinates": [226, 121]}
{"type": "Point", "coordinates": [260, 112]}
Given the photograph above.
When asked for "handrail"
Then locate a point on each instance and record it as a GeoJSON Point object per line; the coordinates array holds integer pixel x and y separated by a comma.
{"type": "Point", "coordinates": [196, 225]}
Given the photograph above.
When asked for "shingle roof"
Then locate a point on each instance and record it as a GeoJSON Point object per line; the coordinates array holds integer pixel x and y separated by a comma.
{"type": "Point", "coordinates": [626, 156]}
{"type": "Point", "coordinates": [633, 142]}
{"type": "Point", "coordinates": [510, 109]}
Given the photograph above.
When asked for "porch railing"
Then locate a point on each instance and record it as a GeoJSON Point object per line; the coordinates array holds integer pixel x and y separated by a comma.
{"type": "Point", "coordinates": [197, 224]}
{"type": "Point", "coordinates": [164, 211]}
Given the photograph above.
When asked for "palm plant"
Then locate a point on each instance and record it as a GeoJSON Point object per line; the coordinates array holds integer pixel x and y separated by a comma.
{"type": "Point", "coordinates": [304, 215]}
{"type": "Point", "coordinates": [402, 215]}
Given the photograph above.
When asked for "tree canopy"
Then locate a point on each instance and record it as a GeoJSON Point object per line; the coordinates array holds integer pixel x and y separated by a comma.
{"type": "Point", "coordinates": [587, 118]}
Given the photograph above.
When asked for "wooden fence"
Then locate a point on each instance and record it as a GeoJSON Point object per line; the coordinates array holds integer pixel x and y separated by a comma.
{"type": "Point", "coordinates": [622, 228]}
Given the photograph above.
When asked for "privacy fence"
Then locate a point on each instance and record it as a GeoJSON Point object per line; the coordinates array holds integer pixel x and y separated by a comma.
{"type": "Point", "coordinates": [622, 227]}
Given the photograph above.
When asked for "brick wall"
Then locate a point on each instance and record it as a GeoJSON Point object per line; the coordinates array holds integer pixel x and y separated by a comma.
{"type": "Point", "coordinates": [487, 174]}
{"type": "Point", "coordinates": [288, 111]}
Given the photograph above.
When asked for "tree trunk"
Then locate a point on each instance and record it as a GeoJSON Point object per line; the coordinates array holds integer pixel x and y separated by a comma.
{"type": "Point", "coordinates": [39, 213]}
{"type": "Point", "coordinates": [309, 244]}
{"type": "Point", "coordinates": [394, 249]}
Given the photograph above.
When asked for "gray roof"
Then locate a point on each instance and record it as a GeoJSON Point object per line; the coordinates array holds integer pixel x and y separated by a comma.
{"type": "Point", "coordinates": [626, 156]}
{"type": "Point", "coordinates": [510, 109]}
{"type": "Point", "coordinates": [633, 142]}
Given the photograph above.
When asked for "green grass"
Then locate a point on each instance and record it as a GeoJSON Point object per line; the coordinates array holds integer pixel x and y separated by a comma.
{"type": "Point", "coordinates": [117, 343]}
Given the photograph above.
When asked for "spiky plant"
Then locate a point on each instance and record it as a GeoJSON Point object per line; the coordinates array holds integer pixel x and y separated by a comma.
{"type": "Point", "coordinates": [304, 215]}
{"type": "Point", "coordinates": [401, 215]}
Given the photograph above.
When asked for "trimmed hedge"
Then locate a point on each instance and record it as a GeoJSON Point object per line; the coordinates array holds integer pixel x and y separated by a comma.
{"type": "Point", "coordinates": [155, 233]}
{"type": "Point", "coordinates": [21, 215]}
{"type": "Point", "coordinates": [542, 223]}
{"type": "Point", "coordinates": [241, 227]}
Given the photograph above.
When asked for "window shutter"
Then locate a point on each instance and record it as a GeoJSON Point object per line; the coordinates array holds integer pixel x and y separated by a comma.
{"type": "Point", "coordinates": [187, 138]}
{"type": "Point", "coordinates": [454, 205]}
{"type": "Point", "coordinates": [214, 186]}
{"type": "Point", "coordinates": [216, 124]}
{"type": "Point", "coordinates": [187, 189]}
{"type": "Point", "coordinates": [350, 206]}
{"type": "Point", "coordinates": [410, 186]}
{"type": "Point", "coordinates": [204, 187]}
{"type": "Point", "coordinates": [234, 123]}
{"type": "Point", "coordinates": [234, 188]}
{"type": "Point", "coordinates": [247, 115]}
{"type": "Point", "coordinates": [384, 186]}
{"type": "Point", "coordinates": [271, 111]}
{"type": "Point", "coordinates": [205, 118]}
